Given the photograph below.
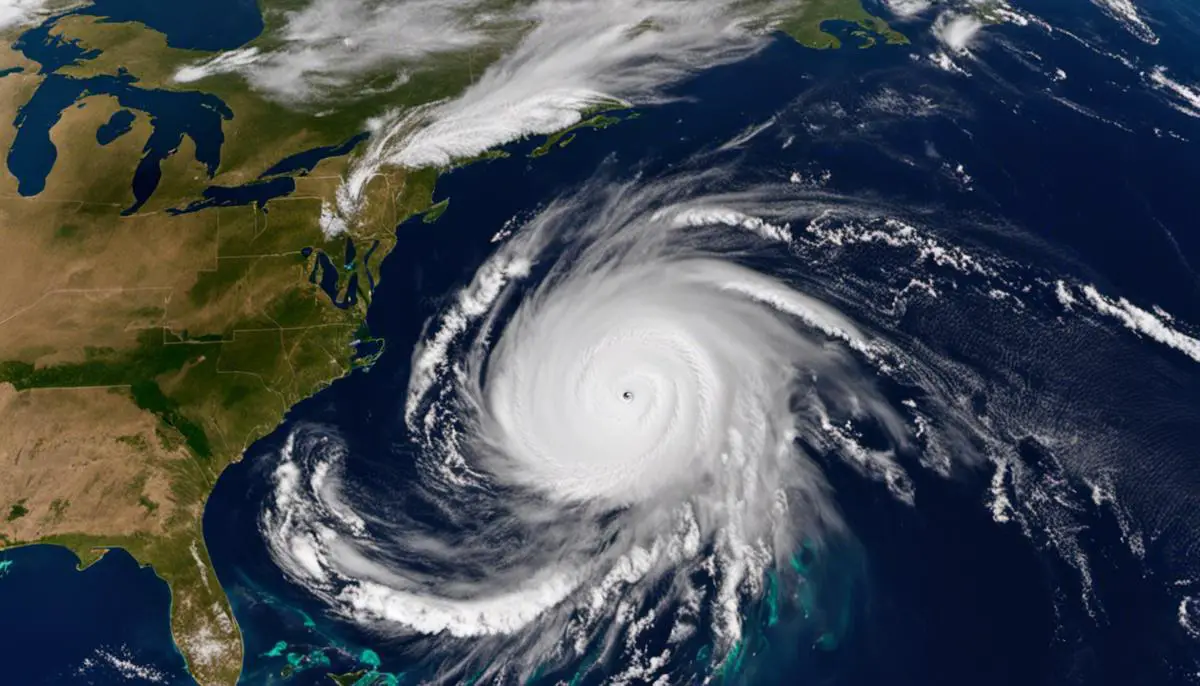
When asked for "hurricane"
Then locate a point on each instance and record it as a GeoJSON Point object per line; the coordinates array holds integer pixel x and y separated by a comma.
{"type": "Point", "coordinates": [620, 430]}
{"type": "Point", "coordinates": [622, 401]}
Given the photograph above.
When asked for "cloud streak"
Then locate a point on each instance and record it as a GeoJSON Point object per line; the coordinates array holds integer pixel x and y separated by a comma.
{"type": "Point", "coordinates": [330, 44]}
{"type": "Point", "coordinates": [581, 54]}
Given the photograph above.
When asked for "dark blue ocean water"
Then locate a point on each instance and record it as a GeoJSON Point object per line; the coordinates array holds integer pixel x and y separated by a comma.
{"type": "Point", "coordinates": [934, 594]}
{"type": "Point", "coordinates": [948, 596]}
{"type": "Point", "coordinates": [62, 626]}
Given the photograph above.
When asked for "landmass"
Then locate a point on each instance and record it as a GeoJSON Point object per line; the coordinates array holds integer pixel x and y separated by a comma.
{"type": "Point", "coordinates": [170, 290]}
{"type": "Point", "coordinates": [563, 138]}
{"type": "Point", "coordinates": [140, 355]}
{"type": "Point", "coordinates": [349, 678]}
{"type": "Point", "coordinates": [808, 24]}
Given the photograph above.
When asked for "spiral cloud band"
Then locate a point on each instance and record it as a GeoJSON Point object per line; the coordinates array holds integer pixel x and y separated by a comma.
{"type": "Point", "coordinates": [620, 386]}
{"type": "Point", "coordinates": [616, 433]}
{"type": "Point", "coordinates": [612, 404]}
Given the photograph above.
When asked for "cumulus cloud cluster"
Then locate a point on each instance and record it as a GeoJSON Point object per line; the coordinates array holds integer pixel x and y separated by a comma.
{"type": "Point", "coordinates": [955, 31]}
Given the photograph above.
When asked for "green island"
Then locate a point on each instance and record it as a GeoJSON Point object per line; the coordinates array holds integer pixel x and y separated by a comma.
{"type": "Point", "coordinates": [807, 24]}
{"type": "Point", "coordinates": [563, 138]}
{"type": "Point", "coordinates": [349, 678]}
{"type": "Point", "coordinates": [141, 355]}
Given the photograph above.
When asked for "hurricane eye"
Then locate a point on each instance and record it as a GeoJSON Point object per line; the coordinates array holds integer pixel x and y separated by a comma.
{"type": "Point", "coordinates": [627, 396]}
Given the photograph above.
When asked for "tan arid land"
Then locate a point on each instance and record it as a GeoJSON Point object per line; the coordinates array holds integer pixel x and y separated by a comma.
{"type": "Point", "coordinates": [141, 355]}
{"type": "Point", "coordinates": [122, 339]}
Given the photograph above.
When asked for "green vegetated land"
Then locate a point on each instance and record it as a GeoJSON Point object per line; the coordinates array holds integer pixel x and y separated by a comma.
{"type": "Point", "coordinates": [218, 388]}
{"type": "Point", "coordinates": [808, 24]}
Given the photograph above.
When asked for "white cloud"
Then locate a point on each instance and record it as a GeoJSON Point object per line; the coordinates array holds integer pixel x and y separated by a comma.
{"type": "Point", "coordinates": [14, 12]}
{"type": "Point", "coordinates": [908, 8]}
{"type": "Point", "coordinates": [1183, 97]}
{"type": "Point", "coordinates": [1125, 12]}
{"type": "Point", "coordinates": [1142, 322]}
{"type": "Point", "coordinates": [956, 31]}
{"type": "Point", "coordinates": [580, 54]}
{"type": "Point", "coordinates": [330, 43]}
{"type": "Point", "coordinates": [224, 62]}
